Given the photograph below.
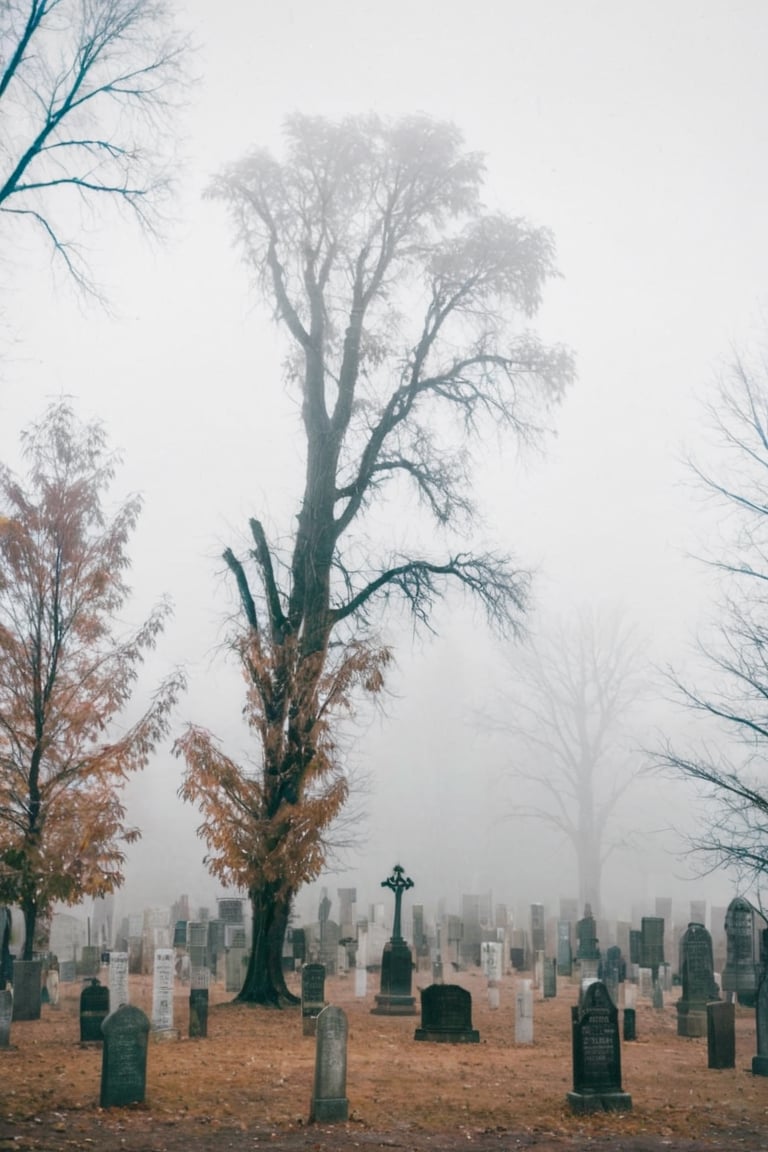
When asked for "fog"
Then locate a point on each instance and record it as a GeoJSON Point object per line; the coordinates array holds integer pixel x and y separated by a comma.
{"type": "Point", "coordinates": [636, 133]}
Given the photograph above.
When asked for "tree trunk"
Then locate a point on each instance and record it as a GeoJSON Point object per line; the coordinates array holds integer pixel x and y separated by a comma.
{"type": "Point", "coordinates": [264, 980]}
{"type": "Point", "coordinates": [29, 910]}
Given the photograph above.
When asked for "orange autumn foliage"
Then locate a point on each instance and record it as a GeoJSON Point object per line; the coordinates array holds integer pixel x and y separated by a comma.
{"type": "Point", "coordinates": [67, 672]}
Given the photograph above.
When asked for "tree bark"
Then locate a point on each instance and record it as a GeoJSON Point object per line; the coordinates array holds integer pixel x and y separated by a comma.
{"type": "Point", "coordinates": [264, 981]}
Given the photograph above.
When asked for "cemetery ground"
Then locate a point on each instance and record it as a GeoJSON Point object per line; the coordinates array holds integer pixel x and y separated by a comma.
{"type": "Point", "coordinates": [248, 1084]}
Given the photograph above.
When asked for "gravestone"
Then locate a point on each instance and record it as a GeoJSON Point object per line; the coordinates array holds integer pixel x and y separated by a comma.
{"type": "Point", "coordinates": [596, 1053]}
{"type": "Point", "coordinates": [698, 980]}
{"type": "Point", "coordinates": [721, 1035]}
{"type": "Point", "coordinates": [118, 980]}
{"type": "Point", "coordinates": [312, 996]}
{"type": "Point", "coordinates": [67, 971]}
{"type": "Point", "coordinates": [760, 1061]}
{"type": "Point", "coordinates": [524, 1012]}
{"type": "Point", "coordinates": [586, 936]}
{"type": "Point", "coordinates": [162, 990]}
{"type": "Point", "coordinates": [652, 953]}
{"type": "Point", "coordinates": [394, 998]}
{"type": "Point", "coordinates": [564, 951]}
{"type": "Point", "coordinates": [446, 1015]}
{"type": "Point", "coordinates": [538, 929]}
{"type": "Point", "coordinates": [94, 1009]}
{"type": "Point", "coordinates": [329, 1097]}
{"type": "Point", "coordinates": [124, 1059]}
{"type": "Point", "coordinates": [6, 1015]}
{"type": "Point", "coordinates": [741, 973]}
{"type": "Point", "coordinates": [549, 978]}
{"type": "Point", "coordinates": [491, 959]}
{"type": "Point", "coordinates": [27, 989]}
{"type": "Point", "coordinates": [52, 986]}
{"type": "Point", "coordinates": [629, 1030]}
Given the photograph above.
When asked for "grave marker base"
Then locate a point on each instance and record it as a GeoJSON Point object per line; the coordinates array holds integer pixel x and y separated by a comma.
{"type": "Point", "coordinates": [329, 1111]}
{"type": "Point", "coordinates": [599, 1101]}
{"type": "Point", "coordinates": [446, 1036]}
{"type": "Point", "coordinates": [390, 1005]}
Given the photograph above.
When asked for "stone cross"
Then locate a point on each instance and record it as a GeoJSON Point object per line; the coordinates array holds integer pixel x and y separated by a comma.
{"type": "Point", "coordinates": [398, 883]}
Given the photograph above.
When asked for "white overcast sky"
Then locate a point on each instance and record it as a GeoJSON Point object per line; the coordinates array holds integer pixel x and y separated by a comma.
{"type": "Point", "coordinates": [636, 132]}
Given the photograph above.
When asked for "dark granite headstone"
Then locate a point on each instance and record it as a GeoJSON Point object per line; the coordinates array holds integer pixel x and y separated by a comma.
{"type": "Point", "coordinates": [312, 996]}
{"type": "Point", "coordinates": [124, 1059]}
{"type": "Point", "coordinates": [94, 1009]}
{"type": "Point", "coordinates": [586, 936]}
{"type": "Point", "coordinates": [538, 928]}
{"type": "Point", "coordinates": [6, 959]}
{"type": "Point", "coordinates": [299, 945]}
{"type": "Point", "coordinates": [760, 1061]}
{"type": "Point", "coordinates": [27, 989]}
{"type": "Point", "coordinates": [198, 1012]}
{"type": "Point", "coordinates": [721, 1035]}
{"type": "Point", "coordinates": [329, 1097]}
{"type": "Point", "coordinates": [698, 980]}
{"type": "Point", "coordinates": [180, 934]}
{"type": "Point", "coordinates": [596, 1053]}
{"type": "Point", "coordinates": [6, 1015]}
{"type": "Point", "coordinates": [549, 980]}
{"type": "Point", "coordinates": [446, 1015]}
{"type": "Point", "coordinates": [630, 1024]}
{"type": "Point", "coordinates": [652, 943]}
{"type": "Point", "coordinates": [90, 960]}
{"type": "Point", "coordinates": [394, 998]}
{"type": "Point", "coordinates": [635, 945]}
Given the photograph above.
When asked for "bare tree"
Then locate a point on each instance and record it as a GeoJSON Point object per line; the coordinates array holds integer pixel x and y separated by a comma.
{"type": "Point", "coordinates": [571, 699]}
{"type": "Point", "coordinates": [730, 701]}
{"type": "Point", "coordinates": [401, 300]}
{"type": "Point", "coordinates": [85, 88]}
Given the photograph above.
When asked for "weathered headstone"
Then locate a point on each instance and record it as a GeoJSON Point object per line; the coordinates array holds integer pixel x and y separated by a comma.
{"type": "Point", "coordinates": [394, 998]}
{"type": "Point", "coordinates": [523, 1012]}
{"type": "Point", "coordinates": [491, 959]}
{"type": "Point", "coordinates": [27, 989]}
{"type": "Point", "coordinates": [629, 1030]}
{"type": "Point", "coordinates": [564, 951]}
{"type": "Point", "coordinates": [698, 980]}
{"type": "Point", "coordinates": [162, 990]}
{"type": "Point", "coordinates": [94, 1009]}
{"type": "Point", "coordinates": [446, 1015]}
{"type": "Point", "coordinates": [538, 929]}
{"type": "Point", "coordinates": [549, 980]}
{"type": "Point", "coordinates": [312, 996]}
{"type": "Point", "coordinates": [329, 1097]}
{"type": "Point", "coordinates": [118, 980]}
{"type": "Point", "coordinates": [596, 1053]}
{"type": "Point", "coordinates": [124, 1059]}
{"type": "Point", "coordinates": [743, 926]}
{"type": "Point", "coordinates": [6, 1015]}
{"type": "Point", "coordinates": [721, 1035]}
{"type": "Point", "coordinates": [586, 936]}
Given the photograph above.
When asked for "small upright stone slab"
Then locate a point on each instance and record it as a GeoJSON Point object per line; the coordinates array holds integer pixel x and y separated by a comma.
{"type": "Point", "coordinates": [596, 1053]}
{"type": "Point", "coordinates": [94, 1009]}
{"type": "Point", "coordinates": [124, 1059]}
{"type": "Point", "coordinates": [721, 1035]}
{"type": "Point", "coordinates": [329, 1098]}
{"type": "Point", "coordinates": [446, 1015]}
{"type": "Point", "coordinates": [312, 996]}
{"type": "Point", "coordinates": [524, 1012]}
{"type": "Point", "coordinates": [6, 1015]}
{"type": "Point", "coordinates": [27, 989]}
{"type": "Point", "coordinates": [549, 978]}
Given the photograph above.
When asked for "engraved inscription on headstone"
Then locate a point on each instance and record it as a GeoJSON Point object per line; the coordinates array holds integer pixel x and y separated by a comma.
{"type": "Point", "coordinates": [697, 975]}
{"type": "Point", "coordinates": [596, 1053]}
{"type": "Point", "coordinates": [162, 990]}
{"type": "Point", "coordinates": [329, 1097]}
{"type": "Point", "coordinates": [124, 1059]}
{"type": "Point", "coordinates": [446, 1015]}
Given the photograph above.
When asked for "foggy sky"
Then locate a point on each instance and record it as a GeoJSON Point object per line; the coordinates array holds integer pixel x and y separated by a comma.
{"type": "Point", "coordinates": [635, 131]}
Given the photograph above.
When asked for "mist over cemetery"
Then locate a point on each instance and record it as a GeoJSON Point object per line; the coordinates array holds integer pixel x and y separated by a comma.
{"type": "Point", "coordinates": [382, 576]}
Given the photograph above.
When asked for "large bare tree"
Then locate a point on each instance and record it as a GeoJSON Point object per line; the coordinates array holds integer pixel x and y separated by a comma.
{"type": "Point", "coordinates": [85, 88]}
{"type": "Point", "coordinates": [730, 700]}
{"type": "Point", "coordinates": [568, 710]}
{"type": "Point", "coordinates": [401, 301]}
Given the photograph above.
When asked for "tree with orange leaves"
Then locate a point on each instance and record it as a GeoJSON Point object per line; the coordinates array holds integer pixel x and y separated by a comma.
{"type": "Point", "coordinates": [400, 298]}
{"type": "Point", "coordinates": [67, 674]}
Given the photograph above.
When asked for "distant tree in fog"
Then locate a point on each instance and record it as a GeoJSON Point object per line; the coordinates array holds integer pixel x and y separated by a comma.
{"type": "Point", "coordinates": [85, 88]}
{"type": "Point", "coordinates": [67, 673]}
{"type": "Point", "coordinates": [400, 300]}
{"type": "Point", "coordinates": [568, 710]}
{"type": "Point", "coordinates": [728, 762]}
